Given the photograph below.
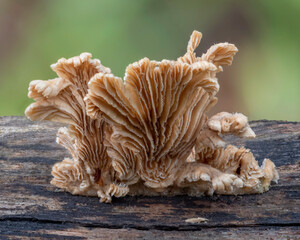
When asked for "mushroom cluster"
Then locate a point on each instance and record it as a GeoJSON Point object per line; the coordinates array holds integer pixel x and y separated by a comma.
{"type": "Point", "coordinates": [148, 134]}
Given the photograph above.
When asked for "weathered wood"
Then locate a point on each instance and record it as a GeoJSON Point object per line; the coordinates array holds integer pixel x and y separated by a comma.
{"type": "Point", "coordinates": [37, 230]}
{"type": "Point", "coordinates": [30, 207]}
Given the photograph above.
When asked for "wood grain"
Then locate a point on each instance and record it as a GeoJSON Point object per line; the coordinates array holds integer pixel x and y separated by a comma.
{"type": "Point", "coordinates": [31, 208]}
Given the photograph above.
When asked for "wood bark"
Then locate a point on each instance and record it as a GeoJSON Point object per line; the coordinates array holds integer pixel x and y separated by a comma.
{"type": "Point", "coordinates": [32, 208]}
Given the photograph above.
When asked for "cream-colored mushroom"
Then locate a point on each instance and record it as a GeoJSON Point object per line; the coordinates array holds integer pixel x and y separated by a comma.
{"type": "Point", "coordinates": [148, 134]}
{"type": "Point", "coordinates": [61, 100]}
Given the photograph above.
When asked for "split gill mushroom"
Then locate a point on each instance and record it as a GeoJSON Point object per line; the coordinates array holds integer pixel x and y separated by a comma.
{"type": "Point", "coordinates": [148, 134]}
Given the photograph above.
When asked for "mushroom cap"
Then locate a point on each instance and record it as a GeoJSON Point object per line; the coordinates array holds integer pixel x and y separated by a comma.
{"type": "Point", "coordinates": [149, 133]}
{"type": "Point", "coordinates": [158, 111]}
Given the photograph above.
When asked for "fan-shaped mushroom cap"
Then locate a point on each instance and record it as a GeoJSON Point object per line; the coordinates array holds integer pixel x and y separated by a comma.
{"type": "Point", "coordinates": [61, 100]}
{"type": "Point", "coordinates": [231, 123]}
{"type": "Point", "coordinates": [148, 134]}
{"type": "Point", "coordinates": [156, 113]}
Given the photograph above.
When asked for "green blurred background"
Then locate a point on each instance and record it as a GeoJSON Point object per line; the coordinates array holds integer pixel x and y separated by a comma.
{"type": "Point", "coordinates": [263, 82]}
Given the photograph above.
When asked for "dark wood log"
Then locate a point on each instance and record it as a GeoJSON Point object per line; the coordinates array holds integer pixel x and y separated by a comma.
{"type": "Point", "coordinates": [32, 208]}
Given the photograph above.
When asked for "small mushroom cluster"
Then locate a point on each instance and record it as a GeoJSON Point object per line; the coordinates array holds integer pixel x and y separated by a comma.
{"type": "Point", "coordinates": [148, 134]}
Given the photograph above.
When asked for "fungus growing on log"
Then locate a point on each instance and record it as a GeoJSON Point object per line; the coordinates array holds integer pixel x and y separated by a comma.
{"type": "Point", "coordinates": [149, 134]}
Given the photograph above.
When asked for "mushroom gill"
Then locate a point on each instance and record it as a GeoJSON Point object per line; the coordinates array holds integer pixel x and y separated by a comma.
{"type": "Point", "coordinates": [148, 134]}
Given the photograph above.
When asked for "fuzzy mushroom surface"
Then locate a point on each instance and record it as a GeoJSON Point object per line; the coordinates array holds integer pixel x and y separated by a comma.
{"type": "Point", "coordinates": [149, 133]}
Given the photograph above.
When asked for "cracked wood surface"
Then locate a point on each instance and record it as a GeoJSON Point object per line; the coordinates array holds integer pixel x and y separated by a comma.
{"type": "Point", "coordinates": [31, 208]}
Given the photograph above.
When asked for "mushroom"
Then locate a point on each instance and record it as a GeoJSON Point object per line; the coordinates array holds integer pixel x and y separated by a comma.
{"type": "Point", "coordinates": [61, 100]}
{"type": "Point", "coordinates": [149, 134]}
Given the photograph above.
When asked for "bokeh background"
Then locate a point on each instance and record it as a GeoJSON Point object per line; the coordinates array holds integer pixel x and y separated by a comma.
{"type": "Point", "coordinates": [263, 82]}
